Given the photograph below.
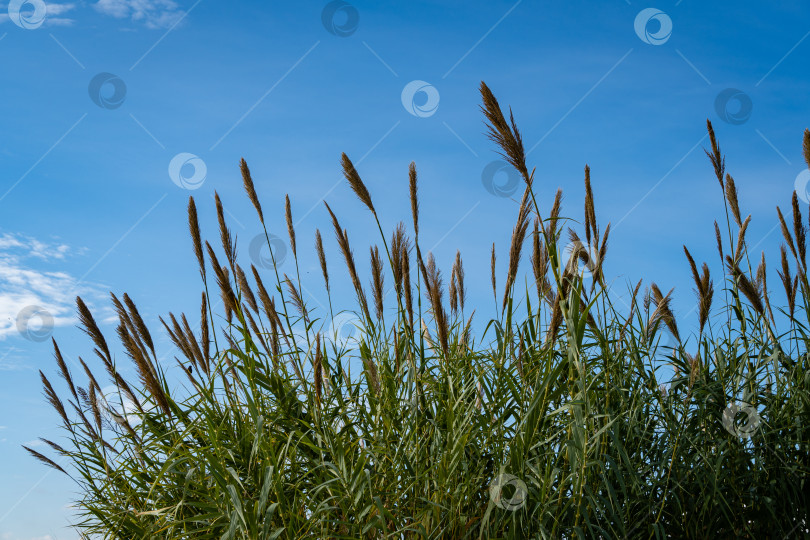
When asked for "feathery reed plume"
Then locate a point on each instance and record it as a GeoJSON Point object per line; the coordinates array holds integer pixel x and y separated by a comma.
{"type": "Point", "coordinates": [492, 268]}
{"type": "Point", "coordinates": [224, 282]}
{"type": "Point", "coordinates": [458, 270]}
{"type": "Point", "coordinates": [348, 257]}
{"type": "Point", "coordinates": [704, 289]}
{"type": "Point", "coordinates": [355, 182]}
{"type": "Point", "coordinates": [125, 318]}
{"type": "Point", "coordinates": [44, 460]}
{"type": "Point", "coordinates": [267, 303]}
{"type": "Point", "coordinates": [719, 239]}
{"type": "Point", "coordinates": [90, 376]}
{"type": "Point", "coordinates": [717, 159]}
{"type": "Point", "coordinates": [554, 215]}
{"type": "Point", "coordinates": [406, 283]}
{"type": "Point", "coordinates": [58, 449]}
{"type": "Point", "coordinates": [94, 407]}
{"type": "Point", "coordinates": [762, 284]}
{"type": "Point", "coordinates": [515, 249]}
{"type": "Point", "coordinates": [146, 371]}
{"type": "Point", "coordinates": [412, 185]}
{"type": "Point", "coordinates": [258, 333]}
{"type": "Point", "coordinates": [398, 243]}
{"type": "Point", "coordinates": [787, 282]}
{"type": "Point", "coordinates": [465, 335]}
{"type": "Point", "coordinates": [662, 310]}
{"type": "Point", "coordinates": [590, 214]}
{"type": "Point", "coordinates": [228, 242]}
{"type": "Point", "coordinates": [453, 293]}
{"type": "Point", "coordinates": [598, 273]}
{"type": "Point", "coordinates": [741, 238]}
{"type": "Point", "coordinates": [142, 330]}
{"type": "Point", "coordinates": [244, 288]}
{"type": "Point", "coordinates": [786, 233]}
{"type": "Point", "coordinates": [504, 134]}
{"type": "Point", "coordinates": [372, 376]}
{"type": "Point", "coordinates": [53, 399]}
{"type": "Point", "coordinates": [745, 285]}
{"type": "Point", "coordinates": [297, 301]}
{"type": "Point", "coordinates": [63, 369]}
{"type": "Point", "coordinates": [90, 328]}
{"type": "Point", "coordinates": [194, 347]}
{"type": "Point", "coordinates": [806, 147]}
{"type": "Point", "coordinates": [433, 279]}
{"type": "Point", "coordinates": [377, 280]}
{"type": "Point", "coordinates": [479, 394]}
{"type": "Point", "coordinates": [290, 228]}
{"type": "Point", "coordinates": [799, 231]}
{"type": "Point", "coordinates": [731, 197]}
{"type": "Point", "coordinates": [539, 260]}
{"type": "Point", "coordinates": [556, 318]}
{"type": "Point", "coordinates": [321, 257]}
{"type": "Point", "coordinates": [317, 367]}
{"type": "Point", "coordinates": [250, 189]}
{"type": "Point", "coordinates": [204, 341]}
{"type": "Point", "coordinates": [194, 229]}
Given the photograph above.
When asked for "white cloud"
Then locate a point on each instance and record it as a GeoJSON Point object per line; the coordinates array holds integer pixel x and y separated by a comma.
{"type": "Point", "coordinates": [52, 14]}
{"type": "Point", "coordinates": [152, 13]}
{"type": "Point", "coordinates": [23, 286]}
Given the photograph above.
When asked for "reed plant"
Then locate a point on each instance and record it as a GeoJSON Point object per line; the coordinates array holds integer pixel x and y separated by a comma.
{"type": "Point", "coordinates": [571, 415]}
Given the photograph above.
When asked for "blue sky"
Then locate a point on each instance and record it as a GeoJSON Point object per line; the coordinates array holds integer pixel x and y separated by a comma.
{"type": "Point", "coordinates": [100, 97]}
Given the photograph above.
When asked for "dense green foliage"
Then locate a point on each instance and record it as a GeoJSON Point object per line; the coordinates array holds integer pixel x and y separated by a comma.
{"type": "Point", "coordinates": [573, 415]}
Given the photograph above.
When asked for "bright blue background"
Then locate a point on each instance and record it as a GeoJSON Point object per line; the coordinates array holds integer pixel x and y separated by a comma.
{"type": "Point", "coordinates": [575, 73]}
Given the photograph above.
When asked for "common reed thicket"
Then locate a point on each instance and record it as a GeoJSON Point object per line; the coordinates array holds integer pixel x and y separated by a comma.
{"type": "Point", "coordinates": [572, 416]}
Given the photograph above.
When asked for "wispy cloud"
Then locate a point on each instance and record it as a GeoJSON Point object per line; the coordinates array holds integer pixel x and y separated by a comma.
{"type": "Point", "coordinates": [24, 284]}
{"type": "Point", "coordinates": [53, 14]}
{"type": "Point", "coordinates": [152, 13]}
